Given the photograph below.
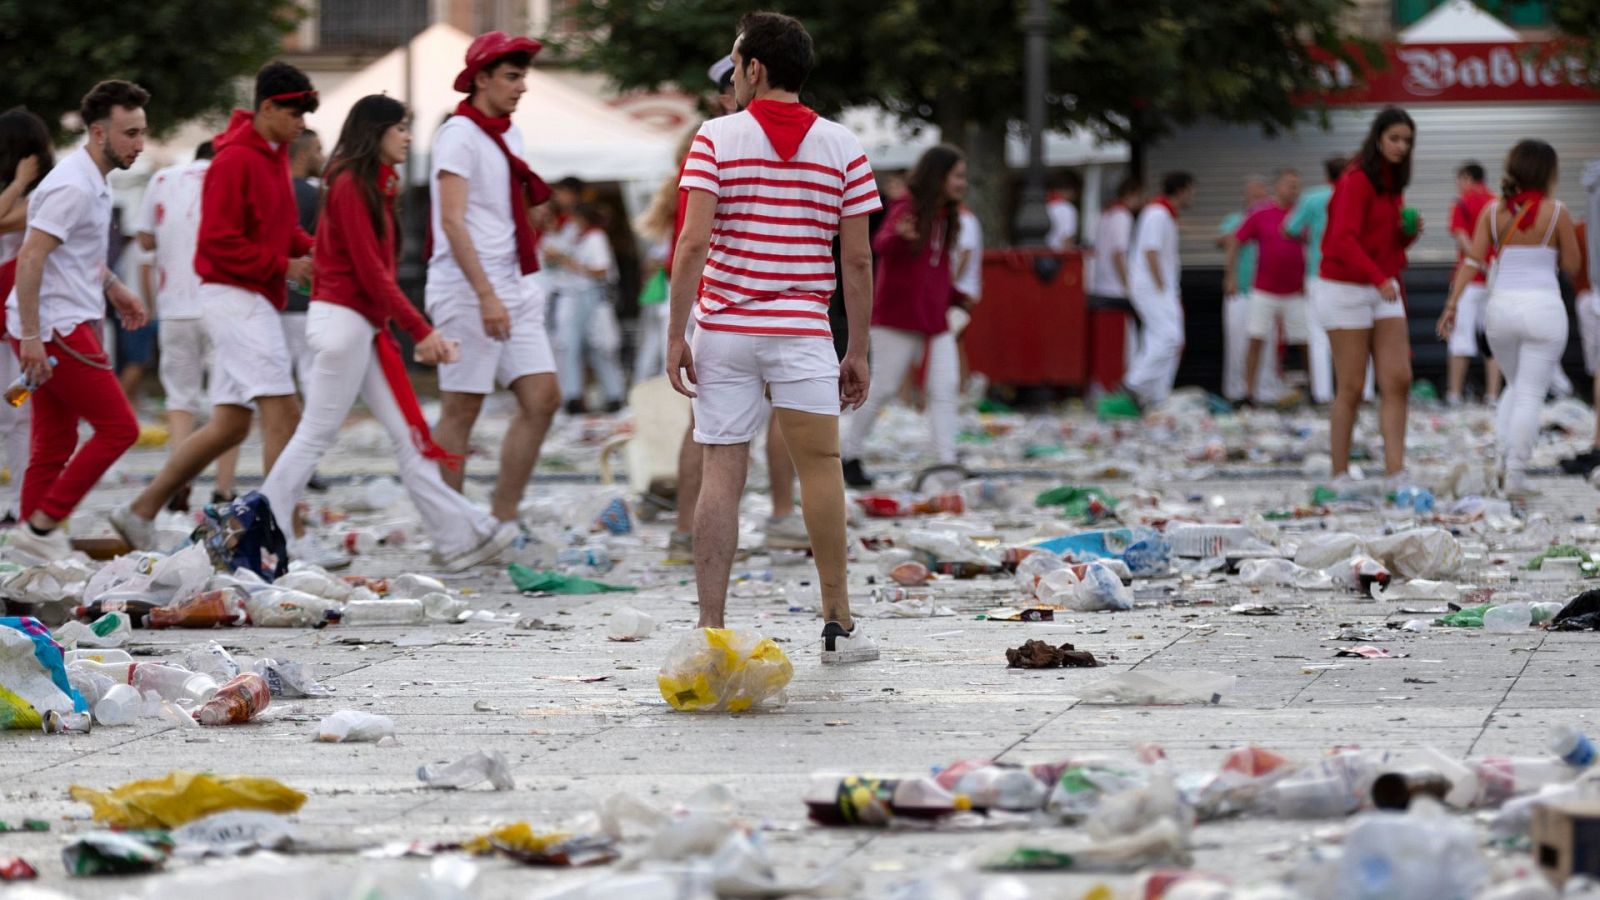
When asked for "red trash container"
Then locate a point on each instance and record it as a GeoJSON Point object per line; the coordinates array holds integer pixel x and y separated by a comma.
{"type": "Point", "coordinates": [1030, 332]}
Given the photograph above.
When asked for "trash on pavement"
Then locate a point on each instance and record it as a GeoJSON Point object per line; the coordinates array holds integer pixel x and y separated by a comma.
{"type": "Point", "coordinates": [33, 676]}
{"type": "Point", "coordinates": [1167, 688]}
{"type": "Point", "coordinates": [1161, 842]}
{"type": "Point", "coordinates": [117, 852]}
{"type": "Point", "coordinates": [1040, 655]}
{"type": "Point", "coordinates": [237, 702]}
{"type": "Point", "coordinates": [723, 670]}
{"type": "Point", "coordinates": [232, 833]}
{"type": "Point", "coordinates": [519, 841]}
{"type": "Point", "coordinates": [529, 581]}
{"type": "Point", "coordinates": [289, 680]}
{"type": "Point", "coordinates": [181, 797]}
{"type": "Point", "coordinates": [629, 624]}
{"type": "Point", "coordinates": [475, 767]}
{"type": "Point", "coordinates": [879, 802]}
{"type": "Point", "coordinates": [1563, 839]}
{"type": "Point", "coordinates": [354, 726]}
{"type": "Point", "coordinates": [16, 868]}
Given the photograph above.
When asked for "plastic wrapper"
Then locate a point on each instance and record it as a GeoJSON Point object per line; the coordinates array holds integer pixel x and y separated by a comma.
{"type": "Point", "coordinates": [178, 798]}
{"type": "Point", "coordinates": [1099, 589]}
{"type": "Point", "coordinates": [1283, 573]}
{"type": "Point", "coordinates": [351, 726]}
{"type": "Point", "coordinates": [232, 833]}
{"type": "Point", "coordinates": [1322, 551]}
{"type": "Point", "coordinates": [469, 770]}
{"type": "Point", "coordinates": [213, 659]}
{"type": "Point", "coordinates": [1420, 853]}
{"type": "Point", "coordinates": [1419, 553]}
{"type": "Point", "coordinates": [288, 680]}
{"type": "Point", "coordinates": [110, 630]}
{"type": "Point", "coordinates": [33, 676]}
{"type": "Point", "coordinates": [117, 852]}
{"type": "Point", "coordinates": [1166, 688]}
{"type": "Point", "coordinates": [180, 576]}
{"type": "Point", "coordinates": [521, 842]}
{"type": "Point", "coordinates": [723, 670]}
{"type": "Point", "coordinates": [316, 582]}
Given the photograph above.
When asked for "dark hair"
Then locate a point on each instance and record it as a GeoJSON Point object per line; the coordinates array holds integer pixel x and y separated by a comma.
{"type": "Point", "coordinates": [1064, 181]}
{"type": "Point", "coordinates": [1531, 166]}
{"type": "Point", "coordinates": [107, 95]}
{"type": "Point", "coordinates": [357, 154]}
{"type": "Point", "coordinates": [1386, 178]}
{"type": "Point", "coordinates": [1473, 170]}
{"type": "Point", "coordinates": [1174, 183]}
{"type": "Point", "coordinates": [278, 77]}
{"type": "Point", "coordinates": [301, 142]}
{"type": "Point", "coordinates": [521, 59]}
{"type": "Point", "coordinates": [589, 213]}
{"type": "Point", "coordinates": [571, 183]}
{"type": "Point", "coordinates": [926, 188]}
{"type": "Point", "coordinates": [24, 134]}
{"type": "Point", "coordinates": [1130, 184]}
{"type": "Point", "coordinates": [781, 43]}
{"type": "Point", "coordinates": [205, 150]}
{"type": "Point", "coordinates": [1334, 166]}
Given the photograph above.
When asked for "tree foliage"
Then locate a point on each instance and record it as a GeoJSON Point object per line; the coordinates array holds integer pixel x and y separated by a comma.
{"type": "Point", "coordinates": [186, 53]}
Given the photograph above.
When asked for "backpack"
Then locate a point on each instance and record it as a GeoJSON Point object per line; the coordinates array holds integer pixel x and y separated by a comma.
{"type": "Point", "coordinates": [242, 534]}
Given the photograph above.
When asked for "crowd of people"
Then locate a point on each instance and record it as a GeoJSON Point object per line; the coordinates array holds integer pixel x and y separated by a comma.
{"type": "Point", "coordinates": [274, 268]}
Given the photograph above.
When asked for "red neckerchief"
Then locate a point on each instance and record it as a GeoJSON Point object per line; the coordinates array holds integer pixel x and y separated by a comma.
{"type": "Point", "coordinates": [526, 187]}
{"type": "Point", "coordinates": [1163, 202]}
{"type": "Point", "coordinates": [1055, 197]}
{"type": "Point", "coordinates": [785, 124]}
{"type": "Point", "coordinates": [1526, 203]}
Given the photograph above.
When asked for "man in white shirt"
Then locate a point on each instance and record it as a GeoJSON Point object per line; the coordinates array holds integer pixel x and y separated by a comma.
{"type": "Point", "coordinates": [168, 224]}
{"type": "Point", "coordinates": [582, 274]}
{"type": "Point", "coordinates": [1154, 291]}
{"type": "Point", "coordinates": [1108, 276]}
{"type": "Point", "coordinates": [483, 246]}
{"type": "Point", "coordinates": [53, 316]}
{"type": "Point", "coordinates": [1061, 206]}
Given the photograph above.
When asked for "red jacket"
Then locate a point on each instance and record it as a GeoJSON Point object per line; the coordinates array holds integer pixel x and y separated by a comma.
{"type": "Point", "coordinates": [353, 266]}
{"type": "Point", "coordinates": [912, 292]}
{"type": "Point", "coordinates": [1364, 243]}
{"type": "Point", "coordinates": [249, 224]}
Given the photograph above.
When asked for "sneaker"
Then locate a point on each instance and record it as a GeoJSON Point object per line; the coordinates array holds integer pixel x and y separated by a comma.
{"type": "Point", "coordinates": [8, 523]}
{"type": "Point", "coordinates": [787, 533]}
{"type": "Point", "coordinates": [487, 551]}
{"type": "Point", "coordinates": [140, 533]}
{"type": "Point", "coordinates": [680, 549]}
{"type": "Point", "coordinates": [218, 498]}
{"type": "Point", "coordinates": [180, 501]}
{"type": "Point", "coordinates": [840, 646]}
{"type": "Point", "coordinates": [575, 408]}
{"type": "Point", "coordinates": [854, 476]}
{"type": "Point", "coordinates": [40, 548]}
{"type": "Point", "coordinates": [1400, 479]}
{"type": "Point", "coordinates": [307, 550]}
{"type": "Point", "coordinates": [1583, 463]}
{"type": "Point", "coordinates": [316, 485]}
{"type": "Point", "coordinates": [613, 406]}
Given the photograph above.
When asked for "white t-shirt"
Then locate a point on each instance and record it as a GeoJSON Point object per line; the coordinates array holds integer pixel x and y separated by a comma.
{"type": "Point", "coordinates": [1157, 231]}
{"type": "Point", "coordinates": [564, 239]}
{"type": "Point", "coordinates": [462, 148]}
{"type": "Point", "coordinates": [770, 268]}
{"type": "Point", "coordinates": [170, 212]}
{"type": "Point", "coordinates": [72, 204]}
{"type": "Point", "coordinates": [1063, 224]}
{"type": "Point", "coordinates": [969, 253]}
{"type": "Point", "coordinates": [593, 251]}
{"type": "Point", "coordinates": [1111, 241]}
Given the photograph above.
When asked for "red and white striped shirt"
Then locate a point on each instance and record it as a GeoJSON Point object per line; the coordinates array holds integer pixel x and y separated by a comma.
{"type": "Point", "coordinates": [770, 269]}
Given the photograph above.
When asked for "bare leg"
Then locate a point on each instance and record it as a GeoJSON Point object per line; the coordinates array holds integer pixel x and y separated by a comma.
{"type": "Point", "coordinates": [280, 416]}
{"type": "Point", "coordinates": [229, 426]}
{"type": "Point", "coordinates": [691, 460]}
{"type": "Point", "coordinates": [814, 443]}
{"type": "Point", "coordinates": [180, 424]}
{"type": "Point", "coordinates": [1456, 377]}
{"type": "Point", "coordinates": [1252, 366]}
{"type": "Point", "coordinates": [1492, 381]}
{"type": "Point", "coordinates": [716, 526]}
{"type": "Point", "coordinates": [132, 376]}
{"type": "Point", "coordinates": [538, 398]}
{"type": "Point", "coordinates": [780, 469]}
{"type": "Point", "coordinates": [1391, 355]}
{"type": "Point", "coordinates": [1351, 349]}
{"type": "Point", "coordinates": [227, 467]}
{"type": "Point", "coordinates": [458, 412]}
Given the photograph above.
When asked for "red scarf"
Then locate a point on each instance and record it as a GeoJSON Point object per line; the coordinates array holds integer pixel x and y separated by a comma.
{"type": "Point", "coordinates": [1525, 204]}
{"type": "Point", "coordinates": [1162, 201]}
{"type": "Point", "coordinates": [785, 124]}
{"type": "Point", "coordinates": [527, 189]}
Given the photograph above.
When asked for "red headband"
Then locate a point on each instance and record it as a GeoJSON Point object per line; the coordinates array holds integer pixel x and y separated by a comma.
{"type": "Point", "coordinates": [309, 94]}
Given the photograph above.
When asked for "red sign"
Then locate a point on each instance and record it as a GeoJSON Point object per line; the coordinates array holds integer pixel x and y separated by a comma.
{"type": "Point", "coordinates": [1465, 73]}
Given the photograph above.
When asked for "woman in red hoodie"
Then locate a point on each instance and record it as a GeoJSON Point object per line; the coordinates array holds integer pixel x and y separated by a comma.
{"type": "Point", "coordinates": [354, 297]}
{"type": "Point", "coordinates": [1359, 299]}
{"type": "Point", "coordinates": [911, 305]}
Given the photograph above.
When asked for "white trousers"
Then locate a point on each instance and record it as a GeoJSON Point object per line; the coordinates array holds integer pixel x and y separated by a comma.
{"type": "Point", "coordinates": [300, 352]}
{"type": "Point", "coordinates": [1319, 353]}
{"type": "Point", "coordinates": [585, 320]}
{"type": "Point", "coordinates": [1236, 343]}
{"type": "Point", "coordinates": [16, 428]}
{"type": "Point", "coordinates": [1527, 331]}
{"type": "Point", "coordinates": [650, 359]}
{"type": "Point", "coordinates": [1160, 348]}
{"type": "Point", "coordinates": [345, 366]}
{"type": "Point", "coordinates": [894, 352]}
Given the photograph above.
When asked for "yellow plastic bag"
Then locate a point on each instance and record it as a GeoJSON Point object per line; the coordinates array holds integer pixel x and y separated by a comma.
{"type": "Point", "coordinates": [517, 836]}
{"type": "Point", "coordinates": [181, 797]}
{"type": "Point", "coordinates": [722, 670]}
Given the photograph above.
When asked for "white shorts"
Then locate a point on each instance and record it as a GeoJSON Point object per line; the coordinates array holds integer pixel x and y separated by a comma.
{"type": "Point", "coordinates": [250, 356]}
{"type": "Point", "coordinates": [735, 372]}
{"type": "Point", "coordinates": [1469, 320]}
{"type": "Point", "coordinates": [1344, 306]}
{"type": "Point", "coordinates": [1588, 307]}
{"type": "Point", "coordinates": [485, 361]}
{"type": "Point", "coordinates": [185, 357]}
{"type": "Point", "coordinates": [1267, 310]}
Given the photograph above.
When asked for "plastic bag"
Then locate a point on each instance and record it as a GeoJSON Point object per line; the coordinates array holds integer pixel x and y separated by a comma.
{"type": "Point", "coordinates": [181, 797]}
{"type": "Point", "coordinates": [288, 680]}
{"type": "Point", "coordinates": [276, 608]}
{"type": "Point", "coordinates": [467, 771]}
{"type": "Point", "coordinates": [181, 575]}
{"type": "Point", "coordinates": [244, 535]}
{"type": "Point", "coordinates": [316, 582]}
{"type": "Point", "coordinates": [722, 670]}
{"type": "Point", "coordinates": [1324, 550]}
{"type": "Point", "coordinates": [1100, 589]}
{"type": "Point", "coordinates": [1170, 688]}
{"type": "Point", "coordinates": [110, 630]}
{"type": "Point", "coordinates": [1283, 573]}
{"type": "Point", "coordinates": [352, 726]}
{"type": "Point", "coordinates": [33, 676]}
{"type": "Point", "coordinates": [1419, 553]}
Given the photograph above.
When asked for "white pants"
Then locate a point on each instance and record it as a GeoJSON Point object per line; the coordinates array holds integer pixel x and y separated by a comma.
{"type": "Point", "coordinates": [16, 428]}
{"type": "Point", "coordinates": [300, 353]}
{"type": "Point", "coordinates": [1236, 343]}
{"type": "Point", "coordinates": [894, 352]}
{"type": "Point", "coordinates": [585, 320]}
{"type": "Point", "coordinates": [344, 366]}
{"type": "Point", "coordinates": [1319, 353]}
{"type": "Point", "coordinates": [1588, 307]}
{"type": "Point", "coordinates": [1160, 350]}
{"type": "Point", "coordinates": [1527, 331]}
{"type": "Point", "coordinates": [650, 360]}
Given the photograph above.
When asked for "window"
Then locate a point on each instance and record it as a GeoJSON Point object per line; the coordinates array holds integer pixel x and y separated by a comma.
{"type": "Point", "coordinates": [344, 25]}
{"type": "Point", "coordinates": [1516, 13]}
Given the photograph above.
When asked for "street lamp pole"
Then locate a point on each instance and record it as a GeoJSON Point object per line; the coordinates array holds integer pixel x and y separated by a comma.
{"type": "Point", "coordinates": [1033, 222]}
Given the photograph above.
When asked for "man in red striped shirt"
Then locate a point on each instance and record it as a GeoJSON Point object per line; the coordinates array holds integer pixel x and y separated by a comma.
{"type": "Point", "coordinates": [766, 192]}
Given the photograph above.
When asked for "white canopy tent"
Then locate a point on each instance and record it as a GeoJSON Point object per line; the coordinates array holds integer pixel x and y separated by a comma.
{"type": "Point", "coordinates": [565, 131]}
{"type": "Point", "coordinates": [894, 143]}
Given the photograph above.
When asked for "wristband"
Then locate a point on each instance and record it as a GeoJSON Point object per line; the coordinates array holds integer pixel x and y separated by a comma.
{"type": "Point", "coordinates": [27, 337]}
{"type": "Point", "coordinates": [1473, 263]}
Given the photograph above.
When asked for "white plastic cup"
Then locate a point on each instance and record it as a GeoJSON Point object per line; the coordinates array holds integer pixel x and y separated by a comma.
{"type": "Point", "coordinates": [1573, 746]}
{"type": "Point", "coordinates": [629, 624]}
{"type": "Point", "coordinates": [119, 706]}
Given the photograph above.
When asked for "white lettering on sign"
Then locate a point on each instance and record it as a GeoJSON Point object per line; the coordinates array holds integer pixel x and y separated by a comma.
{"type": "Point", "coordinates": [1430, 71]}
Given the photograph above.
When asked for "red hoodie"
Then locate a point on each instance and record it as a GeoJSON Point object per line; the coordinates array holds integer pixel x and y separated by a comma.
{"type": "Point", "coordinates": [354, 267]}
{"type": "Point", "coordinates": [1364, 243]}
{"type": "Point", "coordinates": [249, 224]}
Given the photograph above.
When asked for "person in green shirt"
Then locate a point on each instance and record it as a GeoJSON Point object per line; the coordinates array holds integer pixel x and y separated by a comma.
{"type": "Point", "coordinates": [1235, 287]}
{"type": "Point", "coordinates": [1309, 221]}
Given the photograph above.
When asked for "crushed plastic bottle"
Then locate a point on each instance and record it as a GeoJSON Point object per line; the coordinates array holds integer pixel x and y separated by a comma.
{"type": "Point", "coordinates": [469, 770]}
{"type": "Point", "coordinates": [354, 726]}
{"type": "Point", "coordinates": [1572, 746]}
{"type": "Point", "coordinates": [1509, 617]}
{"type": "Point", "coordinates": [853, 800]}
{"type": "Point", "coordinates": [240, 700]}
{"type": "Point", "coordinates": [213, 659]}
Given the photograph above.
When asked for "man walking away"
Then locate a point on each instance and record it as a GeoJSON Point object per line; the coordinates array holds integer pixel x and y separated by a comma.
{"type": "Point", "coordinates": [1471, 198]}
{"type": "Point", "coordinates": [1277, 294]}
{"type": "Point", "coordinates": [1307, 224]}
{"type": "Point", "coordinates": [1154, 288]}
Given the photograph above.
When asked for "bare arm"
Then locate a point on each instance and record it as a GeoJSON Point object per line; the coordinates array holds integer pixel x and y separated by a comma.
{"type": "Point", "coordinates": [1476, 259]}
{"type": "Point", "coordinates": [855, 252]}
{"type": "Point", "coordinates": [147, 287]}
{"type": "Point", "coordinates": [30, 275]}
{"type": "Point", "coordinates": [1571, 255]}
{"type": "Point", "coordinates": [146, 241]}
{"type": "Point", "coordinates": [13, 208]}
{"type": "Point", "coordinates": [453, 220]}
{"type": "Point", "coordinates": [1230, 281]}
{"type": "Point", "coordinates": [688, 265]}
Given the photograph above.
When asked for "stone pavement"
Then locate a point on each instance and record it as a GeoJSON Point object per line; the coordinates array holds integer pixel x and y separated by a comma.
{"type": "Point", "coordinates": [941, 692]}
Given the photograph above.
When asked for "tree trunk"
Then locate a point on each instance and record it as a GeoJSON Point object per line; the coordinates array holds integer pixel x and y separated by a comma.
{"type": "Point", "coordinates": [989, 181]}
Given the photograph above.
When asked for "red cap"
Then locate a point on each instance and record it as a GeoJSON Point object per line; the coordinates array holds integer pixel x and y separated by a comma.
{"type": "Point", "coordinates": [485, 49]}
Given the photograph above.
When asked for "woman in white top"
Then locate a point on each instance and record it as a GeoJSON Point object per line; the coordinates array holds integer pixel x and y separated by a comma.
{"type": "Point", "coordinates": [1526, 236]}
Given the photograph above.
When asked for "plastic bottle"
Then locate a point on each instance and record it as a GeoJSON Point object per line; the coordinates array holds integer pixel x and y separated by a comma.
{"type": "Point", "coordinates": [120, 706]}
{"type": "Point", "coordinates": [1572, 746]}
{"type": "Point", "coordinates": [237, 702]}
{"type": "Point", "coordinates": [1502, 777]}
{"type": "Point", "coordinates": [440, 606]}
{"type": "Point", "coordinates": [360, 541]}
{"type": "Point", "coordinates": [1200, 541]}
{"type": "Point", "coordinates": [595, 560]}
{"type": "Point", "coordinates": [1417, 499]}
{"type": "Point", "coordinates": [213, 659]}
{"type": "Point", "coordinates": [384, 612]}
{"type": "Point", "coordinates": [629, 624]}
{"type": "Point", "coordinates": [1463, 778]}
{"type": "Point", "coordinates": [20, 390]}
{"type": "Point", "coordinates": [1310, 795]}
{"type": "Point", "coordinates": [415, 586]}
{"type": "Point", "coordinates": [137, 611]}
{"type": "Point", "coordinates": [208, 610]}
{"type": "Point", "coordinates": [172, 683]}
{"type": "Point", "coordinates": [1508, 617]}
{"type": "Point", "coordinates": [277, 608]}
{"type": "Point", "coordinates": [1003, 787]}
{"type": "Point", "coordinates": [1544, 611]}
{"type": "Point", "coordinates": [853, 800]}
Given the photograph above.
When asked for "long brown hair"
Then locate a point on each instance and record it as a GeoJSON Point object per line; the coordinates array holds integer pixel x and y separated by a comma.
{"type": "Point", "coordinates": [1386, 177]}
{"type": "Point", "coordinates": [926, 187]}
{"type": "Point", "coordinates": [358, 155]}
{"type": "Point", "coordinates": [1530, 166]}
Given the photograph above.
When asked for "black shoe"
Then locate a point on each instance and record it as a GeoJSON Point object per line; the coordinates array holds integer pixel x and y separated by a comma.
{"type": "Point", "coordinates": [575, 408]}
{"type": "Point", "coordinates": [8, 522]}
{"type": "Point", "coordinates": [1583, 463]}
{"type": "Point", "coordinates": [180, 501]}
{"type": "Point", "coordinates": [218, 498]}
{"type": "Point", "coordinates": [613, 406]}
{"type": "Point", "coordinates": [316, 485]}
{"type": "Point", "coordinates": [853, 476]}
